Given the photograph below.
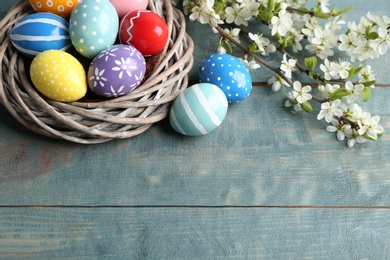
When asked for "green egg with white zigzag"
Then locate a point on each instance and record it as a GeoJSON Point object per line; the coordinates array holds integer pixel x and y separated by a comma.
{"type": "Point", "coordinates": [199, 110]}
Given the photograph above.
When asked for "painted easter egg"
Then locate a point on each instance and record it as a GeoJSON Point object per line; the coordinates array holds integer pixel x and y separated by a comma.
{"type": "Point", "coordinates": [62, 8]}
{"type": "Point", "coordinates": [58, 76]}
{"type": "Point", "coordinates": [116, 71]}
{"type": "Point", "coordinates": [38, 32]}
{"type": "Point", "coordinates": [124, 7]}
{"type": "Point", "coordinates": [145, 30]}
{"type": "Point", "coordinates": [93, 26]}
{"type": "Point", "coordinates": [229, 74]}
{"type": "Point", "coordinates": [199, 110]}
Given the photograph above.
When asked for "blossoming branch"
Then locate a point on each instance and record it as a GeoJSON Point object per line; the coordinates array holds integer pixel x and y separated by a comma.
{"type": "Point", "coordinates": [295, 30]}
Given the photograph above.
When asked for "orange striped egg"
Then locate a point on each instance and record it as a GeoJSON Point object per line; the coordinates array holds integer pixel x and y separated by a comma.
{"type": "Point", "coordinates": [60, 7]}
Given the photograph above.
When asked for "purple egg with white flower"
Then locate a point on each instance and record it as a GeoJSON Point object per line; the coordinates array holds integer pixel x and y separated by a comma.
{"type": "Point", "coordinates": [229, 74]}
{"type": "Point", "coordinates": [116, 71]}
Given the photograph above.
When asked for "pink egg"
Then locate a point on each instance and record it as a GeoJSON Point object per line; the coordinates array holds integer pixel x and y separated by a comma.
{"type": "Point", "coordinates": [126, 6]}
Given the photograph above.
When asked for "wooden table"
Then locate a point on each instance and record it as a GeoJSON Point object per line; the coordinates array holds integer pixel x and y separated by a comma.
{"type": "Point", "coordinates": [267, 184]}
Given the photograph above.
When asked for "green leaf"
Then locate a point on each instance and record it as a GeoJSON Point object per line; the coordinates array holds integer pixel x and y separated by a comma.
{"type": "Point", "coordinates": [219, 7]}
{"type": "Point", "coordinates": [357, 70]}
{"type": "Point", "coordinates": [342, 11]}
{"type": "Point", "coordinates": [322, 15]}
{"type": "Point", "coordinates": [311, 63]}
{"type": "Point", "coordinates": [271, 5]}
{"type": "Point", "coordinates": [339, 94]}
{"type": "Point", "coordinates": [351, 72]}
{"type": "Point", "coordinates": [369, 83]}
{"type": "Point", "coordinates": [372, 36]}
{"type": "Point", "coordinates": [228, 46]}
{"type": "Point", "coordinates": [316, 10]}
{"type": "Point", "coordinates": [366, 93]}
{"type": "Point", "coordinates": [306, 106]}
{"type": "Point", "coordinates": [266, 15]}
{"type": "Point", "coordinates": [318, 13]}
{"type": "Point", "coordinates": [369, 138]}
{"type": "Point", "coordinates": [293, 102]}
{"type": "Point", "coordinates": [278, 5]}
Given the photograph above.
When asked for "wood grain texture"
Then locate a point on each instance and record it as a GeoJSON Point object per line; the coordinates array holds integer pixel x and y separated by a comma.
{"type": "Point", "coordinates": [180, 233]}
{"type": "Point", "coordinates": [261, 155]}
{"type": "Point", "coordinates": [267, 184]}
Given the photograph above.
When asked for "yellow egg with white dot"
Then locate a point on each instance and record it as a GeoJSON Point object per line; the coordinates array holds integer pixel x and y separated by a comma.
{"type": "Point", "coordinates": [59, 76]}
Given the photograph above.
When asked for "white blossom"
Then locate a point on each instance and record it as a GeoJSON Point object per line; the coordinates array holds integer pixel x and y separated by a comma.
{"type": "Point", "coordinates": [301, 94]}
{"type": "Point", "coordinates": [281, 23]}
{"type": "Point", "coordinates": [296, 38]}
{"type": "Point", "coordinates": [340, 129]}
{"type": "Point", "coordinates": [205, 14]}
{"type": "Point", "coordinates": [383, 42]}
{"type": "Point", "coordinates": [328, 89]}
{"type": "Point", "coordinates": [370, 125]}
{"type": "Point", "coordinates": [353, 111]}
{"type": "Point", "coordinates": [297, 107]}
{"type": "Point", "coordinates": [322, 42]}
{"type": "Point", "coordinates": [263, 44]}
{"type": "Point", "coordinates": [250, 65]}
{"type": "Point", "coordinates": [328, 70]}
{"type": "Point", "coordinates": [347, 42]}
{"type": "Point", "coordinates": [277, 82]}
{"type": "Point", "coordinates": [335, 25]}
{"type": "Point", "coordinates": [342, 68]}
{"type": "Point", "coordinates": [329, 110]}
{"type": "Point", "coordinates": [288, 66]}
{"type": "Point", "coordinates": [367, 74]}
{"type": "Point", "coordinates": [365, 51]}
{"type": "Point", "coordinates": [238, 15]}
{"type": "Point", "coordinates": [311, 23]}
{"type": "Point", "coordinates": [354, 91]}
{"type": "Point", "coordinates": [296, 3]}
{"type": "Point", "coordinates": [234, 33]}
{"type": "Point", "coordinates": [324, 6]}
{"type": "Point", "coordinates": [353, 137]}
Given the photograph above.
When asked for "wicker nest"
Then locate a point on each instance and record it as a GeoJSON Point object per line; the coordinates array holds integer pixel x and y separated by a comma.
{"type": "Point", "coordinates": [93, 120]}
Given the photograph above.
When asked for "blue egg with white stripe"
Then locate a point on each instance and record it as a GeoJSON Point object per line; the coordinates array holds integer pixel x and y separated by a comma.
{"type": "Point", "coordinates": [199, 110]}
{"type": "Point", "coordinates": [228, 73]}
{"type": "Point", "coordinates": [39, 32]}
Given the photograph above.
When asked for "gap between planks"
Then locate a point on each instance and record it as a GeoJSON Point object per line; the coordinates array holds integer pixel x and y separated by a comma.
{"type": "Point", "coordinates": [197, 206]}
{"type": "Point", "coordinates": [265, 84]}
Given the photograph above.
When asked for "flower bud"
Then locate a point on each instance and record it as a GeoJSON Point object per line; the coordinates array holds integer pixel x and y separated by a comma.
{"type": "Point", "coordinates": [221, 50]}
{"type": "Point", "coordinates": [306, 106]}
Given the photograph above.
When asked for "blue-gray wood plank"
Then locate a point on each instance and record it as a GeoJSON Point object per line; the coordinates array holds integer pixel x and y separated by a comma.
{"type": "Point", "coordinates": [266, 184]}
{"type": "Point", "coordinates": [261, 155]}
{"type": "Point", "coordinates": [198, 233]}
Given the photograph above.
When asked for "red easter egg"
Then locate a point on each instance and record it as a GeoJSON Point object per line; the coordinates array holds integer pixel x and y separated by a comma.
{"type": "Point", "coordinates": [145, 30]}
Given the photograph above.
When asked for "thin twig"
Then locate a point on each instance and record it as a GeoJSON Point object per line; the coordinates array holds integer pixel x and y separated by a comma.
{"type": "Point", "coordinates": [262, 61]}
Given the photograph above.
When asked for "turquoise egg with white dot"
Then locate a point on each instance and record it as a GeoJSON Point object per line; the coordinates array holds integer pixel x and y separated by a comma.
{"type": "Point", "coordinates": [93, 26]}
{"type": "Point", "coordinates": [199, 110]}
{"type": "Point", "coordinates": [229, 74]}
